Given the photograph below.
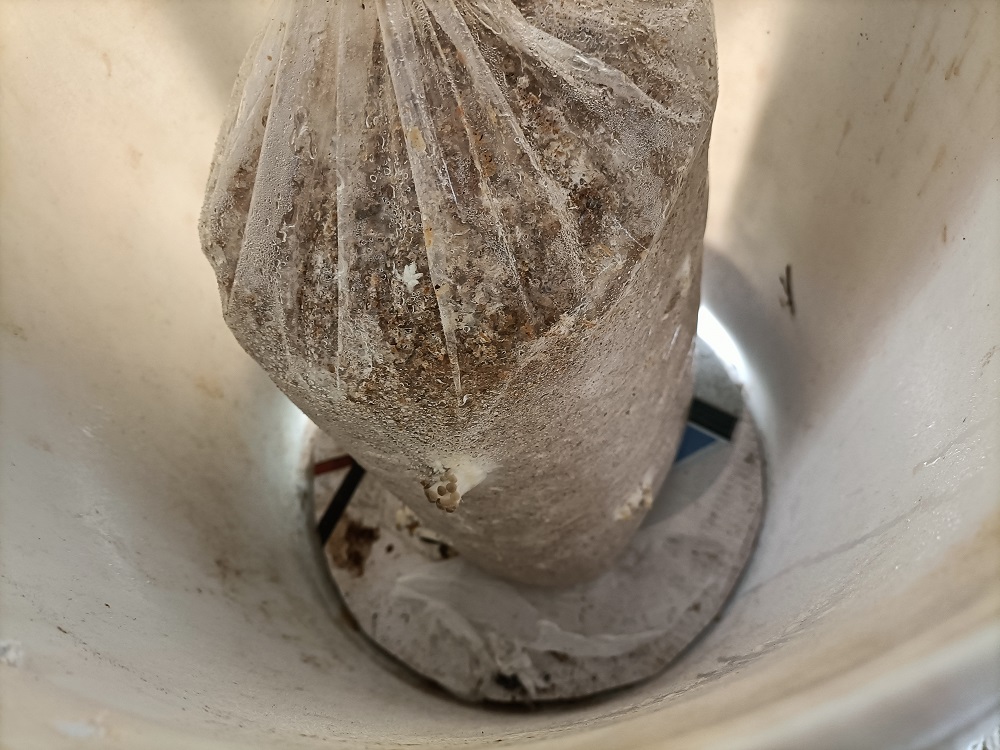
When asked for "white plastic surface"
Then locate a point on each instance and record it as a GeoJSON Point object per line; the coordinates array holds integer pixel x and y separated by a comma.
{"type": "Point", "coordinates": [155, 587]}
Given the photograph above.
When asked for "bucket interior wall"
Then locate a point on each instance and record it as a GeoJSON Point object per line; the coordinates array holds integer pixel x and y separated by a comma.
{"type": "Point", "coordinates": [156, 584]}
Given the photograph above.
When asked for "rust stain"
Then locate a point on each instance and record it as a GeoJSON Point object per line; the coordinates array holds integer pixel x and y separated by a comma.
{"type": "Point", "coordinates": [972, 23]}
{"type": "Point", "coordinates": [134, 157]}
{"type": "Point", "coordinates": [982, 76]}
{"type": "Point", "coordinates": [987, 358]}
{"type": "Point", "coordinates": [843, 135]}
{"type": "Point", "coordinates": [944, 234]}
{"type": "Point", "coordinates": [939, 158]}
{"type": "Point", "coordinates": [226, 570]}
{"type": "Point", "coordinates": [311, 660]}
{"type": "Point", "coordinates": [899, 71]}
{"type": "Point", "coordinates": [892, 87]}
{"type": "Point", "coordinates": [955, 69]}
{"type": "Point", "coordinates": [930, 40]}
{"type": "Point", "coordinates": [39, 443]}
{"type": "Point", "coordinates": [14, 330]}
{"type": "Point", "coordinates": [209, 387]}
{"type": "Point", "coordinates": [106, 59]}
{"type": "Point", "coordinates": [938, 161]}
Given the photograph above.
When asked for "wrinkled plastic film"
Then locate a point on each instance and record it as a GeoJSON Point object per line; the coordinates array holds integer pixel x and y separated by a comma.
{"type": "Point", "coordinates": [465, 238]}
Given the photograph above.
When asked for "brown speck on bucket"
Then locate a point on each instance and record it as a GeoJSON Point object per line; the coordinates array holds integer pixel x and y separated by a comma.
{"type": "Point", "coordinates": [786, 286]}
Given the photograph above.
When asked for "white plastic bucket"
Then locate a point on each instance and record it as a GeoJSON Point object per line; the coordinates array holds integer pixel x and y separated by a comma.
{"type": "Point", "coordinates": [156, 588]}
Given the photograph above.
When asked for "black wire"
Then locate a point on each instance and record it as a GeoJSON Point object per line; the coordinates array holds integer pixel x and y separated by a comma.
{"type": "Point", "coordinates": [339, 503]}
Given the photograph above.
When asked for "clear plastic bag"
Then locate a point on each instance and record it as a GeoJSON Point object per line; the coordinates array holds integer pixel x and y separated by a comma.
{"type": "Point", "coordinates": [464, 236]}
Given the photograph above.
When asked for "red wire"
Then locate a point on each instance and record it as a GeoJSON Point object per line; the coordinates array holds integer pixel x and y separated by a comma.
{"type": "Point", "coordinates": [332, 464]}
